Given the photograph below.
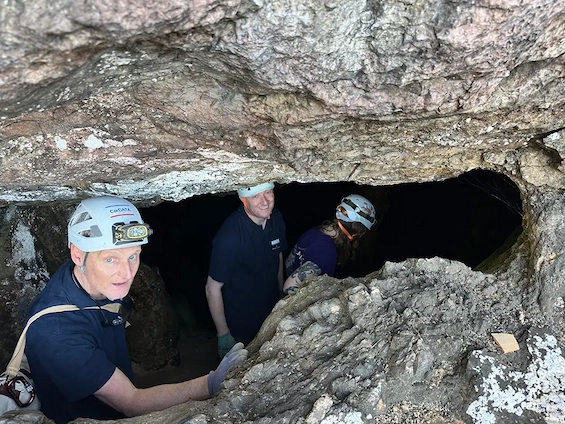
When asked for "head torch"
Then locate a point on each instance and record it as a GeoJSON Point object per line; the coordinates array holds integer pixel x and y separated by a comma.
{"type": "Point", "coordinates": [129, 233]}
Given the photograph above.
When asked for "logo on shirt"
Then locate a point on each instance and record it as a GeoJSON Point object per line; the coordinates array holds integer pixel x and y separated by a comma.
{"type": "Point", "coordinates": [275, 244]}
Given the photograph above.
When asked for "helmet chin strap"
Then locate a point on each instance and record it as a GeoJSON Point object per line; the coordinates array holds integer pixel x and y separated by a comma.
{"type": "Point", "coordinates": [342, 228]}
{"type": "Point", "coordinates": [83, 266]}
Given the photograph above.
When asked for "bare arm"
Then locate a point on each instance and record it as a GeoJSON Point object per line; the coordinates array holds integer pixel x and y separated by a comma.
{"type": "Point", "coordinates": [281, 271]}
{"type": "Point", "coordinates": [305, 272]}
{"type": "Point", "coordinates": [216, 305]}
{"type": "Point", "coordinates": [122, 395]}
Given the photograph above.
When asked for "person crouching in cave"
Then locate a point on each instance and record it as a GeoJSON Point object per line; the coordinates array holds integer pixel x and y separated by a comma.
{"type": "Point", "coordinates": [335, 242]}
{"type": "Point", "coordinates": [79, 359]}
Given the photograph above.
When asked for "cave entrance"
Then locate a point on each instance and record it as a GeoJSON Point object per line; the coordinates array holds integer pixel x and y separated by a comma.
{"type": "Point", "coordinates": [465, 218]}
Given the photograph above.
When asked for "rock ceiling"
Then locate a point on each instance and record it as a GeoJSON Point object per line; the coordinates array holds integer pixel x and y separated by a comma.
{"type": "Point", "coordinates": [172, 99]}
{"type": "Point", "coordinates": [167, 100]}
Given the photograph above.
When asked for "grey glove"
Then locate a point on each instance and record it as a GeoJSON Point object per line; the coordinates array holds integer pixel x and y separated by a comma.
{"type": "Point", "coordinates": [235, 356]}
{"type": "Point", "coordinates": [225, 343]}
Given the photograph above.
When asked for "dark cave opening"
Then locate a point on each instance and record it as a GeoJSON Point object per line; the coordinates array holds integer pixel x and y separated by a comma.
{"type": "Point", "coordinates": [465, 218]}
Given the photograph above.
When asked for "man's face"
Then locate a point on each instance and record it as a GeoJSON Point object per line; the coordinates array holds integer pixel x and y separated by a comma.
{"type": "Point", "coordinates": [109, 273]}
{"type": "Point", "coordinates": [260, 206]}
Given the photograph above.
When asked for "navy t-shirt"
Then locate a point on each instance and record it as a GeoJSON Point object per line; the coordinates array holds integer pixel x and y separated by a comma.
{"type": "Point", "coordinates": [245, 258]}
{"type": "Point", "coordinates": [316, 247]}
{"type": "Point", "coordinates": [72, 354]}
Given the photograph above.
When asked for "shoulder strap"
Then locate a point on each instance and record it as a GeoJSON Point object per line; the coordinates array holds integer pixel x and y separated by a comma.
{"type": "Point", "coordinates": [14, 365]}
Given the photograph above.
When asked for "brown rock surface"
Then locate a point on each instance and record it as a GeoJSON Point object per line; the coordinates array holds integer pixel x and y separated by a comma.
{"type": "Point", "coordinates": [167, 100]}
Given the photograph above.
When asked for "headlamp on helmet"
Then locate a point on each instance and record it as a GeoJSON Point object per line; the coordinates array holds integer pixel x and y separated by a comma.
{"type": "Point", "coordinates": [128, 233]}
{"type": "Point", "coordinates": [106, 222]}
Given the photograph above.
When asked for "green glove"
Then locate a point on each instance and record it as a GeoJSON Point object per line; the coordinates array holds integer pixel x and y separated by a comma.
{"type": "Point", "coordinates": [225, 343]}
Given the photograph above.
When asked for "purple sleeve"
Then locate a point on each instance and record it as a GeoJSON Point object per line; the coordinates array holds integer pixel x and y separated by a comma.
{"type": "Point", "coordinates": [322, 252]}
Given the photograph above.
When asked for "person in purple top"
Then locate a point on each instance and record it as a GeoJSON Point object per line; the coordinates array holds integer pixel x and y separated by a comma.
{"type": "Point", "coordinates": [321, 248]}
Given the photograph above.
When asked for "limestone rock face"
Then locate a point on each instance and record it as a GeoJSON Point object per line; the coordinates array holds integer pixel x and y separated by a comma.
{"type": "Point", "coordinates": [409, 343]}
{"type": "Point", "coordinates": [528, 385]}
{"type": "Point", "coordinates": [167, 100]}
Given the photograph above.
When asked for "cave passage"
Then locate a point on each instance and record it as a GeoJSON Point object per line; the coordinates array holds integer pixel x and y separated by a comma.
{"type": "Point", "coordinates": [465, 218]}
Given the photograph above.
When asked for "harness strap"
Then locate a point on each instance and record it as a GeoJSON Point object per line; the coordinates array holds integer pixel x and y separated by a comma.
{"type": "Point", "coordinates": [16, 361]}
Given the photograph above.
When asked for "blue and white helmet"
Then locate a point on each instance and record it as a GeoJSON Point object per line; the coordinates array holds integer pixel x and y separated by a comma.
{"type": "Point", "coordinates": [106, 222]}
{"type": "Point", "coordinates": [356, 208]}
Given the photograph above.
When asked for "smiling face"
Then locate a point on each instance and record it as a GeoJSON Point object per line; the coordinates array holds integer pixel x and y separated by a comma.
{"type": "Point", "coordinates": [108, 273]}
{"type": "Point", "coordinates": [260, 206]}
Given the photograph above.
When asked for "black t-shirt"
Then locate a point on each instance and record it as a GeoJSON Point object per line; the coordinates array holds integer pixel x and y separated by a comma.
{"type": "Point", "coordinates": [245, 258]}
{"type": "Point", "coordinates": [72, 354]}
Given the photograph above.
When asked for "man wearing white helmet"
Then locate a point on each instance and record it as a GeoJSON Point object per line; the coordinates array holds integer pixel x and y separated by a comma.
{"type": "Point", "coordinates": [79, 359]}
{"type": "Point", "coordinates": [246, 267]}
{"type": "Point", "coordinates": [320, 249]}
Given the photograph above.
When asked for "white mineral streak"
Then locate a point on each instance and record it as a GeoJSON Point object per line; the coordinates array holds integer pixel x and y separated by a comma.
{"type": "Point", "coordinates": [320, 409]}
{"type": "Point", "coordinates": [60, 142]}
{"type": "Point", "coordinates": [23, 246]}
{"type": "Point", "coordinates": [100, 139]}
{"type": "Point", "coordinates": [23, 252]}
{"type": "Point", "coordinates": [351, 417]}
{"type": "Point", "coordinates": [174, 186]}
{"type": "Point", "coordinates": [46, 194]}
{"type": "Point", "coordinates": [541, 389]}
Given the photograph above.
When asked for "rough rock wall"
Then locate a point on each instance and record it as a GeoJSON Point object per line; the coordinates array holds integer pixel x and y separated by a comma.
{"type": "Point", "coordinates": [165, 100]}
{"type": "Point", "coordinates": [408, 344]}
{"type": "Point", "coordinates": [182, 98]}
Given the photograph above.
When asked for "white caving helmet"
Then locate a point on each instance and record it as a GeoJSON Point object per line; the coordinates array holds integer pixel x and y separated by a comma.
{"type": "Point", "coordinates": [106, 222]}
{"type": "Point", "coordinates": [252, 191]}
{"type": "Point", "coordinates": [355, 208]}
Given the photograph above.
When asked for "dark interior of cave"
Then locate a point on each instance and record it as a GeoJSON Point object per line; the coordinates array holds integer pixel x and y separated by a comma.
{"type": "Point", "coordinates": [465, 218]}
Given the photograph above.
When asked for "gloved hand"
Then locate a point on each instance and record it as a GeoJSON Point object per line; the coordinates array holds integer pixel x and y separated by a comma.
{"type": "Point", "coordinates": [225, 343]}
{"type": "Point", "coordinates": [235, 356]}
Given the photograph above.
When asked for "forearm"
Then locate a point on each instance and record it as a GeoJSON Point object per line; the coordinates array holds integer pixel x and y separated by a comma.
{"type": "Point", "coordinates": [305, 272]}
{"type": "Point", "coordinates": [216, 306]}
{"type": "Point", "coordinates": [291, 281]}
{"type": "Point", "coordinates": [122, 395]}
{"type": "Point", "coordinates": [281, 272]}
{"type": "Point", "coordinates": [157, 398]}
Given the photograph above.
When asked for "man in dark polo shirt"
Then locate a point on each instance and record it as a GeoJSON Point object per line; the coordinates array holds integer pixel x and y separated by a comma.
{"type": "Point", "coordinates": [246, 267]}
{"type": "Point", "coordinates": [79, 359]}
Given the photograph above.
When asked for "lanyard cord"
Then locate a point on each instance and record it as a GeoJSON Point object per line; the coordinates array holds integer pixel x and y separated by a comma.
{"type": "Point", "coordinates": [105, 322]}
